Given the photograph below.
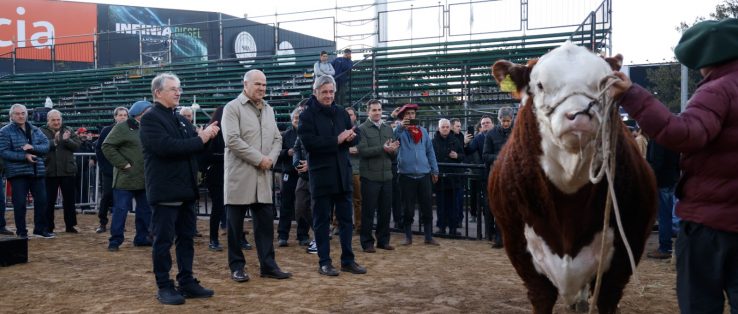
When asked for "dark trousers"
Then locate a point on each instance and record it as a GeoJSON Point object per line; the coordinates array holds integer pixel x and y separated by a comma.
{"type": "Point", "coordinates": [321, 225]}
{"type": "Point", "coordinates": [66, 184]}
{"type": "Point", "coordinates": [106, 201]}
{"type": "Point", "coordinates": [2, 202]}
{"type": "Point", "coordinates": [376, 196]}
{"type": "Point", "coordinates": [21, 186]}
{"type": "Point", "coordinates": [707, 269]}
{"type": "Point", "coordinates": [303, 203]}
{"type": "Point", "coordinates": [124, 204]}
{"type": "Point", "coordinates": [287, 212]}
{"type": "Point", "coordinates": [447, 210]}
{"type": "Point", "coordinates": [263, 219]}
{"type": "Point", "coordinates": [666, 205]}
{"type": "Point", "coordinates": [217, 210]}
{"type": "Point", "coordinates": [173, 225]}
{"type": "Point", "coordinates": [396, 200]}
{"type": "Point", "coordinates": [417, 191]}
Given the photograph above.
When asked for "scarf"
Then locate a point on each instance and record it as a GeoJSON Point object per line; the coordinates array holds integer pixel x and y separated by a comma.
{"type": "Point", "coordinates": [415, 133]}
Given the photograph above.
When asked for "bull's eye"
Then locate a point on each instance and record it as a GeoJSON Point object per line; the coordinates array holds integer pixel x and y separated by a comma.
{"type": "Point", "coordinates": [540, 86]}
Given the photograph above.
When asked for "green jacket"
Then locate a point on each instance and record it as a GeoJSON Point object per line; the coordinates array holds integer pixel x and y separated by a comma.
{"type": "Point", "coordinates": [376, 164]}
{"type": "Point", "coordinates": [123, 147]}
{"type": "Point", "coordinates": [60, 159]}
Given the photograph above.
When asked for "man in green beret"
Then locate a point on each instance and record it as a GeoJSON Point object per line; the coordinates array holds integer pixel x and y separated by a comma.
{"type": "Point", "coordinates": [706, 133]}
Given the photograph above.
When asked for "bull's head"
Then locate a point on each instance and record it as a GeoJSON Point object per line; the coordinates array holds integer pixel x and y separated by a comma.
{"type": "Point", "coordinates": [563, 88]}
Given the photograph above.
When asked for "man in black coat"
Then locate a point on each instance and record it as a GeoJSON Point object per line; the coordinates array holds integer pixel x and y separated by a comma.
{"type": "Point", "coordinates": [448, 149]}
{"type": "Point", "coordinates": [326, 131]}
{"type": "Point", "coordinates": [170, 145]}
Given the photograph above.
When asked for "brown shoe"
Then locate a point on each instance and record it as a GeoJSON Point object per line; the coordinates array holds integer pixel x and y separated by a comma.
{"type": "Point", "coordinates": [432, 242]}
{"type": "Point", "coordinates": [386, 247]}
{"type": "Point", "coordinates": [658, 254]}
{"type": "Point", "coordinates": [407, 241]}
{"type": "Point", "coordinates": [370, 249]}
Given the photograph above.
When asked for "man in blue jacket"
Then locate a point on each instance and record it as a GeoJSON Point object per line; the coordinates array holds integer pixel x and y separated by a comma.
{"type": "Point", "coordinates": [342, 66]}
{"type": "Point", "coordinates": [170, 145]}
{"type": "Point", "coordinates": [22, 147]}
{"type": "Point", "coordinates": [326, 132]}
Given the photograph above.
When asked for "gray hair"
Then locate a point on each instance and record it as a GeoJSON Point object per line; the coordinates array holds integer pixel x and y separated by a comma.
{"type": "Point", "coordinates": [158, 82]}
{"type": "Point", "coordinates": [504, 112]}
{"type": "Point", "coordinates": [250, 73]}
{"type": "Point", "coordinates": [297, 111]}
{"type": "Point", "coordinates": [14, 106]}
{"type": "Point", "coordinates": [115, 111]}
{"type": "Point", "coordinates": [323, 80]}
{"type": "Point", "coordinates": [185, 108]}
{"type": "Point", "coordinates": [443, 121]}
{"type": "Point", "coordinates": [53, 112]}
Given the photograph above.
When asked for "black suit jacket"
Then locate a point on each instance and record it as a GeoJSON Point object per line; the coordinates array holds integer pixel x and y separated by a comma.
{"type": "Point", "coordinates": [328, 163]}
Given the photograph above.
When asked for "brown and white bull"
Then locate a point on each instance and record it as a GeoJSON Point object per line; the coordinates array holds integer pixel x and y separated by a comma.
{"type": "Point", "coordinates": [550, 214]}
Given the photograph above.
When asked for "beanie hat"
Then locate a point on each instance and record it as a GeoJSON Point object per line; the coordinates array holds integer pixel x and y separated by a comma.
{"type": "Point", "coordinates": [138, 108]}
{"type": "Point", "coordinates": [708, 43]}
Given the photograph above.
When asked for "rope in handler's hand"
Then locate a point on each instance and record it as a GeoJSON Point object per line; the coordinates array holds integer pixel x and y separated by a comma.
{"type": "Point", "coordinates": [603, 164]}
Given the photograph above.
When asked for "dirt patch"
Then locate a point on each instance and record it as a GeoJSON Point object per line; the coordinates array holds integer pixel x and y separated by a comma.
{"type": "Point", "coordinates": [75, 273]}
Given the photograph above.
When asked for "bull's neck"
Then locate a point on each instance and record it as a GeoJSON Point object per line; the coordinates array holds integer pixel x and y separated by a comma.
{"type": "Point", "coordinates": [567, 171]}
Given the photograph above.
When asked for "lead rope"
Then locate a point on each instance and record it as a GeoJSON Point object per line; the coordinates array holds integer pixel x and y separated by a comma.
{"type": "Point", "coordinates": [604, 161]}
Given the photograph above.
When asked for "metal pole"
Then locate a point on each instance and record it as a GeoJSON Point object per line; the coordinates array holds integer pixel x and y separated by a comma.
{"type": "Point", "coordinates": [169, 25]}
{"type": "Point", "coordinates": [14, 60]}
{"type": "Point", "coordinates": [53, 58]}
{"type": "Point", "coordinates": [140, 50]}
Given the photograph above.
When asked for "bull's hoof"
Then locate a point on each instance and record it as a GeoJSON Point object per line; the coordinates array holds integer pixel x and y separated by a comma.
{"type": "Point", "coordinates": [581, 306]}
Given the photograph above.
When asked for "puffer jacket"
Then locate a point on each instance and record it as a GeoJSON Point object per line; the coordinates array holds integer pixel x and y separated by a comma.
{"type": "Point", "coordinates": [60, 160]}
{"type": "Point", "coordinates": [12, 139]}
{"type": "Point", "coordinates": [706, 134]}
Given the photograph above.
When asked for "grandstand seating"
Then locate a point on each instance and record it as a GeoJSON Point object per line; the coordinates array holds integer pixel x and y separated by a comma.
{"type": "Point", "coordinates": [451, 78]}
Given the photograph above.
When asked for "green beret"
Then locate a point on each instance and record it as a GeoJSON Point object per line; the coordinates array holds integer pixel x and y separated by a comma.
{"type": "Point", "coordinates": [708, 43]}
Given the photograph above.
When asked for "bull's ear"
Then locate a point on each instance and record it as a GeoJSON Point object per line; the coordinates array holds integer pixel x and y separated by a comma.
{"type": "Point", "coordinates": [615, 62]}
{"type": "Point", "coordinates": [511, 77]}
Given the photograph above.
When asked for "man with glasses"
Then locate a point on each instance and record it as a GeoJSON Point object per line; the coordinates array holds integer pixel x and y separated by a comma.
{"type": "Point", "coordinates": [170, 145]}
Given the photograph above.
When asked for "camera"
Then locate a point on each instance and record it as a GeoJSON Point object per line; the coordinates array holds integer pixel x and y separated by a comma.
{"type": "Point", "coordinates": [470, 130]}
{"type": "Point", "coordinates": [414, 122]}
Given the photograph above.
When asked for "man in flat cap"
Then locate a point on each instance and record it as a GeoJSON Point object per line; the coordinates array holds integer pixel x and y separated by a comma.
{"type": "Point", "coordinates": [706, 133]}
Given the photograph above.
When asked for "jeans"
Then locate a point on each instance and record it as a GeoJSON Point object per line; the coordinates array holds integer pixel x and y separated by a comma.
{"type": "Point", "coordinates": [321, 221]}
{"type": "Point", "coordinates": [707, 269]}
{"type": "Point", "coordinates": [122, 200]}
{"type": "Point", "coordinates": [287, 211]}
{"type": "Point", "coordinates": [53, 185]}
{"type": "Point", "coordinates": [21, 186]}
{"type": "Point", "coordinates": [666, 205]}
{"type": "Point", "coordinates": [173, 225]}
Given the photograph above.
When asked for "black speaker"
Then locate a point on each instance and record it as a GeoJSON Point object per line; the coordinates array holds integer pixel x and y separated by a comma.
{"type": "Point", "coordinates": [13, 251]}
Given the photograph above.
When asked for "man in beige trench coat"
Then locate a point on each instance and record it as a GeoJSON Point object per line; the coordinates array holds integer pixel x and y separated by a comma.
{"type": "Point", "coordinates": [252, 144]}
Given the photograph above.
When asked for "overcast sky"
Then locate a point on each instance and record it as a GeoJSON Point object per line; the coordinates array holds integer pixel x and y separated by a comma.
{"type": "Point", "coordinates": [644, 31]}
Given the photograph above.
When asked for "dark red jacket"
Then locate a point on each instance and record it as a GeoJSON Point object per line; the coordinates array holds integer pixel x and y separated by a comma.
{"type": "Point", "coordinates": [706, 134]}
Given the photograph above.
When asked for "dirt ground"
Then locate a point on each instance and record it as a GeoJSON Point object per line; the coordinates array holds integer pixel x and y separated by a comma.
{"type": "Point", "coordinates": [75, 273]}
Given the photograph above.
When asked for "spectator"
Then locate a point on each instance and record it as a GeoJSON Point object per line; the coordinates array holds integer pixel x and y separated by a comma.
{"type": "Point", "coordinates": [85, 165]}
{"type": "Point", "coordinates": [252, 145]}
{"type": "Point", "coordinates": [356, 179]}
{"type": "Point", "coordinates": [343, 66]}
{"type": "Point", "coordinates": [327, 134]}
{"type": "Point", "coordinates": [22, 147]}
{"type": "Point", "coordinates": [60, 170]}
{"type": "Point", "coordinates": [213, 165]}
{"type": "Point", "coordinates": [120, 114]}
{"type": "Point", "coordinates": [303, 200]}
{"type": "Point", "coordinates": [323, 67]}
{"type": "Point", "coordinates": [418, 172]}
{"type": "Point", "coordinates": [123, 149]}
{"type": "Point", "coordinates": [289, 185]}
{"type": "Point", "coordinates": [665, 165]}
{"type": "Point", "coordinates": [478, 189]}
{"type": "Point", "coordinates": [494, 140]}
{"type": "Point", "coordinates": [376, 151]}
{"type": "Point", "coordinates": [464, 139]}
{"type": "Point", "coordinates": [705, 134]}
{"type": "Point", "coordinates": [187, 113]}
{"type": "Point", "coordinates": [170, 144]}
{"type": "Point", "coordinates": [448, 149]}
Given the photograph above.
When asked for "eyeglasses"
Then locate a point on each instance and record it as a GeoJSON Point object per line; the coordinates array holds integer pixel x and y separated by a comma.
{"type": "Point", "coordinates": [172, 89]}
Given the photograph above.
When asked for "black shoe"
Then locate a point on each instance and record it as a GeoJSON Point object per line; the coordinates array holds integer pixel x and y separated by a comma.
{"type": "Point", "coordinates": [370, 249]}
{"type": "Point", "coordinates": [147, 243]}
{"type": "Point", "coordinates": [5, 231]}
{"type": "Point", "coordinates": [101, 229]}
{"type": "Point", "coordinates": [112, 248]}
{"type": "Point", "coordinates": [195, 290]}
{"type": "Point", "coordinates": [246, 246]}
{"type": "Point", "coordinates": [353, 268]}
{"type": "Point", "coordinates": [304, 242]}
{"type": "Point", "coordinates": [240, 276]}
{"type": "Point", "coordinates": [387, 247]}
{"type": "Point", "coordinates": [170, 296]}
{"type": "Point", "coordinates": [282, 243]}
{"type": "Point", "coordinates": [71, 230]}
{"type": "Point", "coordinates": [328, 270]}
{"type": "Point", "coordinates": [276, 274]}
{"type": "Point", "coordinates": [496, 245]}
{"type": "Point", "coordinates": [441, 232]}
{"type": "Point", "coordinates": [215, 246]}
{"type": "Point", "coordinates": [45, 235]}
{"type": "Point", "coordinates": [432, 242]}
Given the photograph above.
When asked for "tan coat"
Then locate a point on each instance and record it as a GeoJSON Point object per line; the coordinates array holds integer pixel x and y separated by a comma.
{"type": "Point", "coordinates": [247, 140]}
